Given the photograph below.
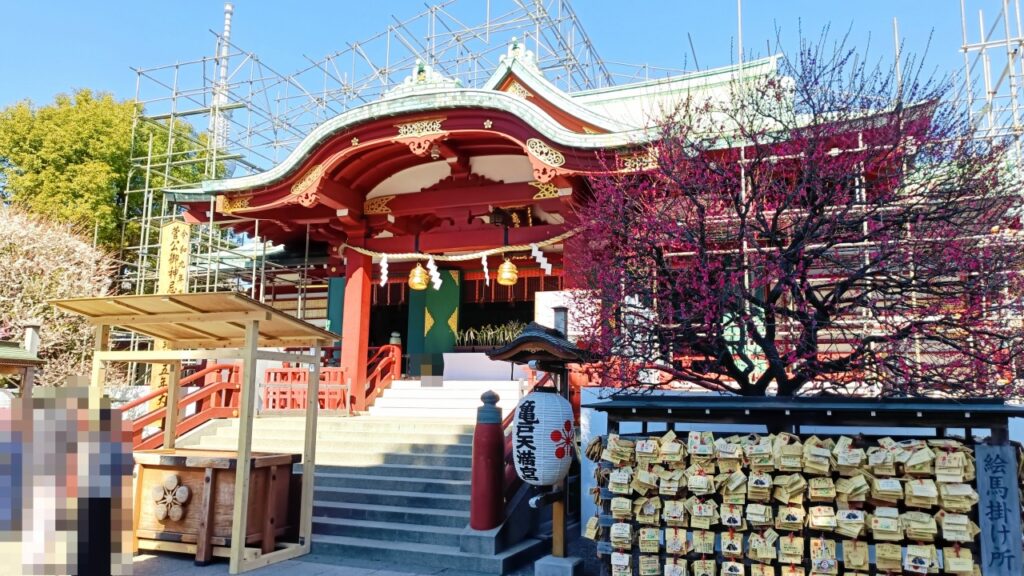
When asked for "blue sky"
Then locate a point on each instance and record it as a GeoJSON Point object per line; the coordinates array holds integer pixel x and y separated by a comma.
{"type": "Point", "coordinates": [57, 45]}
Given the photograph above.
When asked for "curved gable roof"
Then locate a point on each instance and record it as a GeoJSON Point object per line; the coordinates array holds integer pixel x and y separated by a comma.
{"type": "Point", "coordinates": [428, 92]}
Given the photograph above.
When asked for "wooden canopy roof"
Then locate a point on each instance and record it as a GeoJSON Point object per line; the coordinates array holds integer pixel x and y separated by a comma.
{"type": "Point", "coordinates": [203, 320]}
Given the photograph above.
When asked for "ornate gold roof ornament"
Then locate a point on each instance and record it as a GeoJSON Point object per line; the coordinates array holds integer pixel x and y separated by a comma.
{"type": "Point", "coordinates": [231, 204]}
{"type": "Point", "coordinates": [640, 162]}
{"type": "Point", "coordinates": [546, 154]}
{"type": "Point", "coordinates": [517, 89]}
{"type": "Point", "coordinates": [304, 190]}
{"type": "Point", "coordinates": [545, 190]}
{"type": "Point", "coordinates": [544, 159]}
{"type": "Point", "coordinates": [420, 128]}
{"type": "Point", "coordinates": [310, 179]}
{"type": "Point", "coordinates": [518, 52]}
{"type": "Point", "coordinates": [378, 205]}
{"type": "Point", "coordinates": [422, 78]}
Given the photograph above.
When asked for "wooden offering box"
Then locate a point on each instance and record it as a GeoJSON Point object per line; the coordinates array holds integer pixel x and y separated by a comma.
{"type": "Point", "coordinates": [197, 518]}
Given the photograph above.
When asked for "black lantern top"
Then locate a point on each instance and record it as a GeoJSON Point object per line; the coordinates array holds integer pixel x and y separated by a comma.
{"type": "Point", "coordinates": [547, 346]}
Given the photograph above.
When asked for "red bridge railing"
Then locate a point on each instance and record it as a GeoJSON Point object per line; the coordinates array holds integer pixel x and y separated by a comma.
{"type": "Point", "coordinates": [217, 397]}
{"type": "Point", "coordinates": [285, 387]}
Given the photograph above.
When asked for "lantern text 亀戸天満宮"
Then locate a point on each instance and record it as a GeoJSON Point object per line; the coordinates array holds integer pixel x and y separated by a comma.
{"type": "Point", "coordinates": [543, 437]}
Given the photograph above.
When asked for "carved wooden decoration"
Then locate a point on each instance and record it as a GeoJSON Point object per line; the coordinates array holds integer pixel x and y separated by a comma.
{"type": "Point", "coordinates": [304, 190]}
{"type": "Point", "coordinates": [170, 498]}
{"type": "Point", "coordinates": [544, 159]}
{"type": "Point", "coordinates": [378, 205]}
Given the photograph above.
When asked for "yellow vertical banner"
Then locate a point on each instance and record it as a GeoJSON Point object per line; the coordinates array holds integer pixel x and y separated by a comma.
{"type": "Point", "coordinates": [172, 272]}
{"type": "Point", "coordinates": [172, 278]}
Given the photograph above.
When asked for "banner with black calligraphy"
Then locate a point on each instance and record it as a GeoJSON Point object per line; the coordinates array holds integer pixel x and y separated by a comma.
{"type": "Point", "coordinates": [999, 511]}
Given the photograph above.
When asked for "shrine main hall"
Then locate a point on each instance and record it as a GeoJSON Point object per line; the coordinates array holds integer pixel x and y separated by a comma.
{"type": "Point", "coordinates": [440, 208]}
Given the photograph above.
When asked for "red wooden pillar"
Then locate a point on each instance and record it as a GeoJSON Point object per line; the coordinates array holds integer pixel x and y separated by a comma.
{"type": "Point", "coordinates": [355, 331]}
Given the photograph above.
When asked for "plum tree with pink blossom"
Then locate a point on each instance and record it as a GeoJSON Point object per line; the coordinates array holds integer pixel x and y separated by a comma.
{"type": "Point", "coordinates": [832, 228]}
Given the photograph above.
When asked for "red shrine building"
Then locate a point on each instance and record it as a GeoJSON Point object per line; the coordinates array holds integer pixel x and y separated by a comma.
{"type": "Point", "coordinates": [458, 180]}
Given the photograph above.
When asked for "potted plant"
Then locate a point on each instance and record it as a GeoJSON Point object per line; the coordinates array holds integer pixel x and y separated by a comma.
{"type": "Point", "coordinates": [469, 361]}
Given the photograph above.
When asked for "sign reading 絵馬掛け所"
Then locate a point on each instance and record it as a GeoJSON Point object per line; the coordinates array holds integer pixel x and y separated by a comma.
{"type": "Point", "coordinates": [999, 511]}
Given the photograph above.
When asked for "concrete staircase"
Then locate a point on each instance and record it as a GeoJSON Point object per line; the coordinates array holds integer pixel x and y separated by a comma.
{"type": "Point", "coordinates": [456, 400]}
{"type": "Point", "coordinates": [390, 487]}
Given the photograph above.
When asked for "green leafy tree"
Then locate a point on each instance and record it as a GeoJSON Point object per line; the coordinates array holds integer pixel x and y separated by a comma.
{"type": "Point", "coordinates": [72, 160]}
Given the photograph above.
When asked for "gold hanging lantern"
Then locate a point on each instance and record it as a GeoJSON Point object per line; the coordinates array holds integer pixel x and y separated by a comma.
{"type": "Point", "coordinates": [418, 278]}
{"type": "Point", "coordinates": [507, 274]}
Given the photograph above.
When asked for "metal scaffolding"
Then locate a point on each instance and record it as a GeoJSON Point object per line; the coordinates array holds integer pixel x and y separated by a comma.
{"type": "Point", "coordinates": [232, 114]}
{"type": "Point", "coordinates": [993, 55]}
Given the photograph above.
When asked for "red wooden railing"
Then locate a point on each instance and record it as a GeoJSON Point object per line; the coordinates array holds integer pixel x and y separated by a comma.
{"type": "Point", "coordinates": [217, 398]}
{"type": "Point", "coordinates": [285, 388]}
{"type": "Point", "coordinates": [384, 367]}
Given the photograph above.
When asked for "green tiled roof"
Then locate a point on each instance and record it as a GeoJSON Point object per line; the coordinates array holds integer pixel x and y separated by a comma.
{"type": "Point", "coordinates": [13, 353]}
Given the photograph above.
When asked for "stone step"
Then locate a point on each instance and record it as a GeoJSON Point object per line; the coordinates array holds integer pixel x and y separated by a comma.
{"type": "Point", "coordinates": [454, 393]}
{"type": "Point", "coordinates": [461, 474]}
{"type": "Point", "coordinates": [466, 415]}
{"type": "Point", "coordinates": [427, 405]}
{"type": "Point", "coordinates": [354, 436]}
{"type": "Point", "coordinates": [394, 514]}
{"type": "Point", "coordinates": [288, 441]}
{"type": "Point", "coordinates": [362, 424]}
{"type": "Point", "coordinates": [397, 483]}
{"type": "Point", "coordinates": [479, 385]}
{"type": "Point", "coordinates": [379, 497]}
{"type": "Point", "coordinates": [386, 531]}
{"type": "Point", "coordinates": [416, 554]}
{"type": "Point", "coordinates": [342, 454]}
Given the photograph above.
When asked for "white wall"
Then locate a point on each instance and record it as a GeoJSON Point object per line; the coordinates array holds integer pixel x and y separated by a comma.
{"type": "Point", "coordinates": [546, 302]}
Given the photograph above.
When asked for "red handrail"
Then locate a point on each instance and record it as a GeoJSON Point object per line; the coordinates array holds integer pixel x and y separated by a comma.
{"type": "Point", "coordinates": [217, 398]}
{"type": "Point", "coordinates": [384, 367]}
{"type": "Point", "coordinates": [286, 386]}
{"type": "Point", "coordinates": [185, 382]}
{"type": "Point", "coordinates": [223, 403]}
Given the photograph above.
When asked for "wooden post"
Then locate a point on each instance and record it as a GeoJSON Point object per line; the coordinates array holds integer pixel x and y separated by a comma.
{"type": "Point", "coordinates": [173, 396]}
{"type": "Point", "coordinates": [28, 380]}
{"type": "Point", "coordinates": [309, 453]}
{"type": "Point", "coordinates": [101, 334]}
{"type": "Point", "coordinates": [270, 505]}
{"type": "Point", "coordinates": [137, 505]}
{"type": "Point", "coordinates": [204, 548]}
{"type": "Point", "coordinates": [240, 515]}
{"type": "Point", "coordinates": [558, 527]}
{"type": "Point", "coordinates": [558, 506]}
